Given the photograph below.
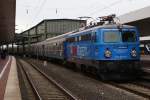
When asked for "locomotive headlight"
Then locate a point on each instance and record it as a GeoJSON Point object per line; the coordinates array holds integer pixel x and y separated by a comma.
{"type": "Point", "coordinates": [108, 53]}
{"type": "Point", "coordinates": [133, 53]}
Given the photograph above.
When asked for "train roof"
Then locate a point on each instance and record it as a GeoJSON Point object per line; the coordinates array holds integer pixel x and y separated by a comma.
{"type": "Point", "coordinates": [89, 28]}
{"type": "Point", "coordinates": [115, 26]}
{"type": "Point", "coordinates": [112, 26]}
{"type": "Point", "coordinates": [59, 36]}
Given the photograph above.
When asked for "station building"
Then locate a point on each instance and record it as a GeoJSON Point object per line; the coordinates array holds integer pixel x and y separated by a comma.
{"type": "Point", "coordinates": [50, 28]}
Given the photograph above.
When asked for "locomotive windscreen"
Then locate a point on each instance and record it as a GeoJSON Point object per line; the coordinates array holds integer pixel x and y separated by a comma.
{"type": "Point", "coordinates": [111, 36]}
{"type": "Point", "coordinates": [128, 36]}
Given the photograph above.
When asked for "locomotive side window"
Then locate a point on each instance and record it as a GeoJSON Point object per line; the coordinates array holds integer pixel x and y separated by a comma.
{"type": "Point", "coordinates": [111, 36]}
{"type": "Point", "coordinates": [93, 36]}
{"type": "Point", "coordinates": [86, 37]}
{"type": "Point", "coordinates": [72, 39]}
{"type": "Point", "coordinates": [128, 36]}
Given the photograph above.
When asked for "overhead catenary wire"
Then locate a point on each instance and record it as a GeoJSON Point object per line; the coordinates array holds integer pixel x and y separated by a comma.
{"type": "Point", "coordinates": [106, 7]}
{"type": "Point", "coordinates": [102, 9]}
{"type": "Point", "coordinates": [42, 3]}
{"type": "Point", "coordinates": [91, 7]}
{"type": "Point", "coordinates": [40, 8]}
{"type": "Point", "coordinates": [38, 11]}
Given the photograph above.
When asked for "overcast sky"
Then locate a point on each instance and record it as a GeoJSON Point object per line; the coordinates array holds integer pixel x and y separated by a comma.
{"type": "Point", "coordinates": [31, 12]}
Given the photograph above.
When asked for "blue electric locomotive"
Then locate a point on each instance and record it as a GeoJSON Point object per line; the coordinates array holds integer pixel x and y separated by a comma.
{"type": "Point", "coordinates": [109, 49]}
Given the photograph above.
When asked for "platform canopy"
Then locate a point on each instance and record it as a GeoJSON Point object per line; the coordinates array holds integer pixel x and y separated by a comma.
{"type": "Point", "coordinates": [7, 20]}
{"type": "Point", "coordinates": [139, 18]}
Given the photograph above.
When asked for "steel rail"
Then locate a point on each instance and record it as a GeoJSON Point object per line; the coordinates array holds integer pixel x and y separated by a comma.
{"type": "Point", "coordinates": [129, 90]}
{"type": "Point", "coordinates": [54, 82]}
{"type": "Point", "coordinates": [37, 95]}
{"type": "Point", "coordinates": [143, 83]}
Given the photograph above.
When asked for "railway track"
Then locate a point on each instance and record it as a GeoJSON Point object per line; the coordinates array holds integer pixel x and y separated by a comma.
{"type": "Point", "coordinates": [25, 86]}
{"type": "Point", "coordinates": [140, 88]}
{"type": "Point", "coordinates": [135, 88]}
{"type": "Point", "coordinates": [44, 87]}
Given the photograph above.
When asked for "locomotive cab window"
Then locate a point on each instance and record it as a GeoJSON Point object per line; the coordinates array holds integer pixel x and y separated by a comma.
{"type": "Point", "coordinates": [128, 36]}
{"type": "Point", "coordinates": [111, 37]}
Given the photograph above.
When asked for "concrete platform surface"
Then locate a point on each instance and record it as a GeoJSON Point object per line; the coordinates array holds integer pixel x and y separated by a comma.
{"type": "Point", "coordinates": [145, 57]}
{"type": "Point", "coordinates": [12, 91]}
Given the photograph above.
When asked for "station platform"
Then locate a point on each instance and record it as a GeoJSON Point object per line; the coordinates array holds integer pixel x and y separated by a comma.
{"type": "Point", "coordinates": [145, 62]}
{"type": "Point", "coordinates": [9, 84]}
{"type": "Point", "coordinates": [145, 57]}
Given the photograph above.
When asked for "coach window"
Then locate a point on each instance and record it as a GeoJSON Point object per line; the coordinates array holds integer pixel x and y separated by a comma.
{"type": "Point", "coordinates": [59, 46]}
{"type": "Point", "coordinates": [77, 39]}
